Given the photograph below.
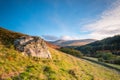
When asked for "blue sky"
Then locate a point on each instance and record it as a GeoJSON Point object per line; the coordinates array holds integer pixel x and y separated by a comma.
{"type": "Point", "coordinates": [60, 19]}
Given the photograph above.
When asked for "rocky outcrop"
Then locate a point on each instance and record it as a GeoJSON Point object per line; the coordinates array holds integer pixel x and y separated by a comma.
{"type": "Point", "coordinates": [32, 46]}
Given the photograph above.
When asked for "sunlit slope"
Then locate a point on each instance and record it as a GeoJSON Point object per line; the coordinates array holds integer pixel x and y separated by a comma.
{"type": "Point", "coordinates": [15, 66]}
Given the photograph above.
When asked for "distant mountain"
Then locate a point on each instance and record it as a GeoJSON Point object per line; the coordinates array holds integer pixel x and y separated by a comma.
{"type": "Point", "coordinates": [52, 45]}
{"type": "Point", "coordinates": [64, 43]}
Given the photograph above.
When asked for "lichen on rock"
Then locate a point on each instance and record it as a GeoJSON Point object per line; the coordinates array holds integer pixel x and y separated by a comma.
{"type": "Point", "coordinates": [32, 46]}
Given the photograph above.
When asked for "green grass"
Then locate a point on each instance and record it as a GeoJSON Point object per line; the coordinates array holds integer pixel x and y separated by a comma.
{"type": "Point", "coordinates": [15, 66]}
{"type": "Point", "coordinates": [114, 65]}
{"type": "Point", "coordinates": [111, 65]}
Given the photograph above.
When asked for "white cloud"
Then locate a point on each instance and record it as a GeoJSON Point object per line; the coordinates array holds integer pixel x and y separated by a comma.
{"type": "Point", "coordinates": [65, 37]}
{"type": "Point", "coordinates": [69, 38]}
{"type": "Point", "coordinates": [54, 38]}
{"type": "Point", "coordinates": [74, 37]}
{"type": "Point", "coordinates": [107, 25]}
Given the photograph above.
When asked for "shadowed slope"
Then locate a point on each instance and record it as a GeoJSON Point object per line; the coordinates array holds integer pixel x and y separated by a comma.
{"type": "Point", "coordinates": [7, 37]}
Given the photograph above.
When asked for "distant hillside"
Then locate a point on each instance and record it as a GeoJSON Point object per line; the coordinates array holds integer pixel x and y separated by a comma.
{"type": "Point", "coordinates": [108, 44]}
{"type": "Point", "coordinates": [106, 50]}
{"type": "Point", "coordinates": [52, 45]}
{"type": "Point", "coordinates": [64, 43]}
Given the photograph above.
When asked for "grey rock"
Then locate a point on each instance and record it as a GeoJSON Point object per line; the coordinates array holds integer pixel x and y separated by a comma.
{"type": "Point", "coordinates": [32, 46]}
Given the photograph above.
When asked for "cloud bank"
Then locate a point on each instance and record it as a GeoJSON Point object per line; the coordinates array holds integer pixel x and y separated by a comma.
{"type": "Point", "coordinates": [107, 25]}
{"type": "Point", "coordinates": [54, 38]}
{"type": "Point", "coordinates": [65, 37]}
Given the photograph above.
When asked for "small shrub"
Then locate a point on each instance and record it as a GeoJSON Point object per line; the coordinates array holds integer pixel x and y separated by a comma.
{"type": "Point", "coordinates": [49, 73]}
{"type": "Point", "coordinates": [72, 51]}
{"type": "Point", "coordinates": [47, 69]}
{"type": "Point", "coordinates": [101, 59]}
{"type": "Point", "coordinates": [117, 60]}
{"type": "Point", "coordinates": [23, 76]}
{"type": "Point", "coordinates": [73, 73]}
{"type": "Point", "coordinates": [30, 68]}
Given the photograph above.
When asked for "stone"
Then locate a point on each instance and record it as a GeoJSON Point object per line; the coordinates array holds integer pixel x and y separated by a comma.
{"type": "Point", "coordinates": [32, 46]}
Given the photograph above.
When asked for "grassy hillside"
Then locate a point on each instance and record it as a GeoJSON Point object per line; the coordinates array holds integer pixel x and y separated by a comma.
{"type": "Point", "coordinates": [106, 50]}
{"type": "Point", "coordinates": [95, 60]}
{"type": "Point", "coordinates": [7, 37]}
{"type": "Point", "coordinates": [111, 44]}
{"type": "Point", "coordinates": [14, 65]}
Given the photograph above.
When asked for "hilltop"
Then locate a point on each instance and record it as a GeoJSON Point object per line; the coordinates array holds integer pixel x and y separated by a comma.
{"type": "Point", "coordinates": [62, 66]}
{"type": "Point", "coordinates": [64, 43]}
{"type": "Point", "coordinates": [7, 38]}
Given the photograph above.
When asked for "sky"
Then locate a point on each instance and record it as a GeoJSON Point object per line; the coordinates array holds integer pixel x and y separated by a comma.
{"type": "Point", "coordinates": [62, 19]}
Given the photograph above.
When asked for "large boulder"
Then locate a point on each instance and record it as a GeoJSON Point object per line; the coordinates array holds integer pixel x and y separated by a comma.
{"type": "Point", "coordinates": [32, 46]}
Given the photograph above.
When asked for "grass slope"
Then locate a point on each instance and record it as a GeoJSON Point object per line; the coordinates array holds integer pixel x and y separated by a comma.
{"type": "Point", "coordinates": [7, 37]}
{"type": "Point", "coordinates": [95, 60]}
{"type": "Point", "coordinates": [15, 66]}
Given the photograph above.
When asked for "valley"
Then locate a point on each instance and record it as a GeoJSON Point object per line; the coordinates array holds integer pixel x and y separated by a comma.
{"type": "Point", "coordinates": [59, 39]}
